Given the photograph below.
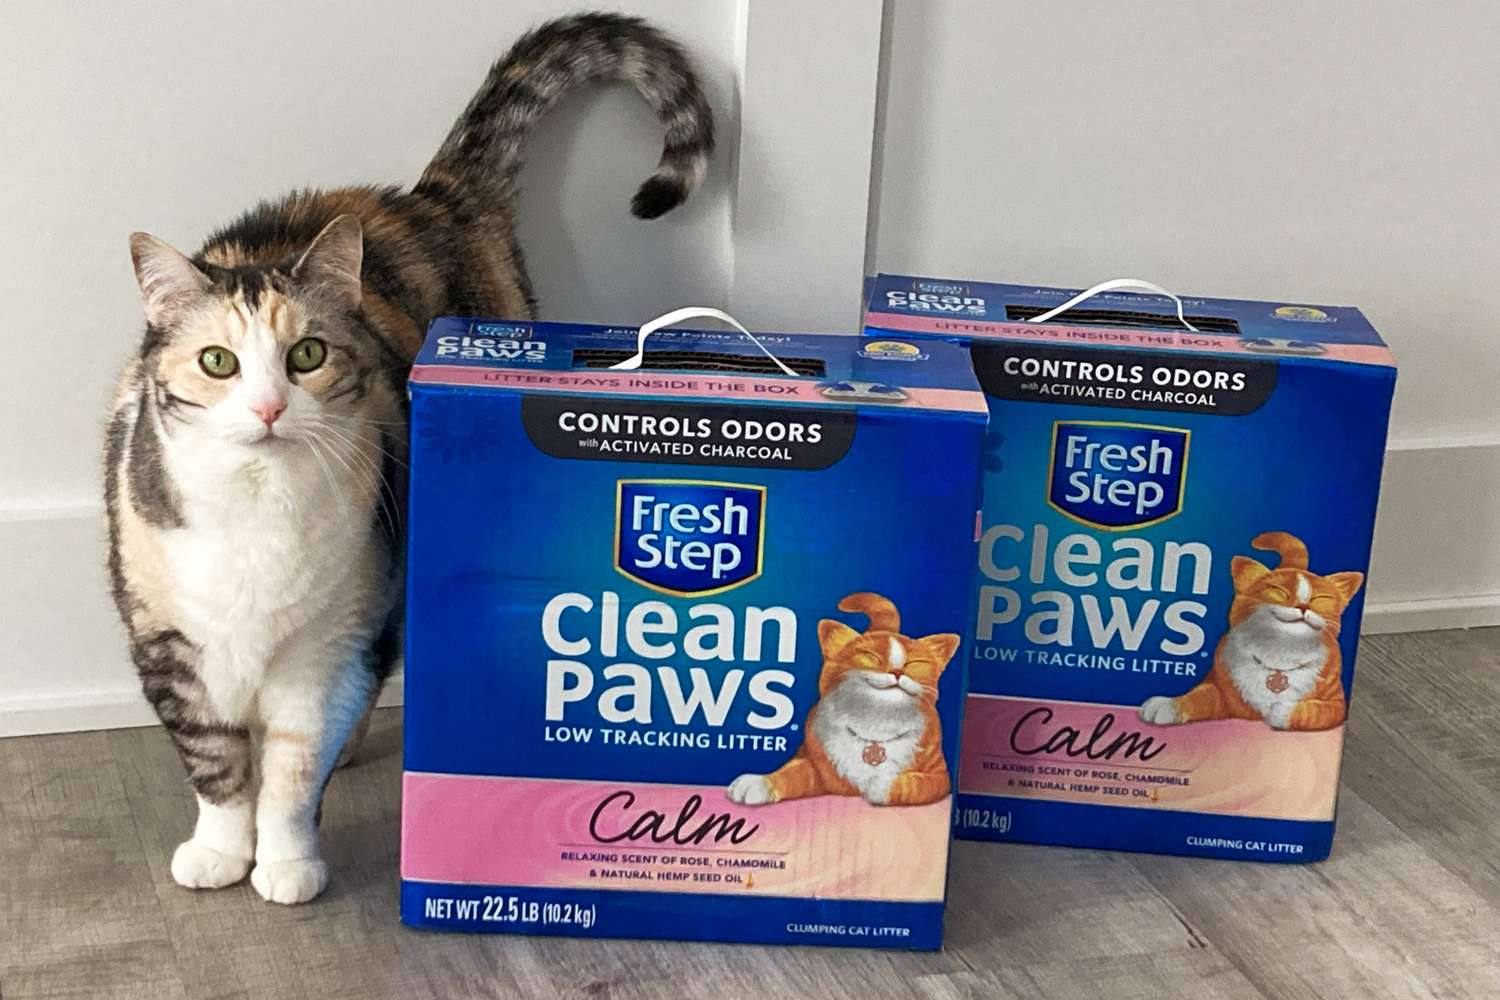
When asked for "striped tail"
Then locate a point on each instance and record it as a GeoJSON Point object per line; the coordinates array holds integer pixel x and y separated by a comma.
{"type": "Point", "coordinates": [882, 613]}
{"type": "Point", "coordinates": [1289, 547]}
{"type": "Point", "coordinates": [487, 146]}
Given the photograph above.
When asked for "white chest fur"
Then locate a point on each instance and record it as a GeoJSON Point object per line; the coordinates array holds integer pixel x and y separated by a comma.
{"type": "Point", "coordinates": [1261, 647]}
{"type": "Point", "coordinates": [270, 546]}
{"type": "Point", "coordinates": [869, 734]}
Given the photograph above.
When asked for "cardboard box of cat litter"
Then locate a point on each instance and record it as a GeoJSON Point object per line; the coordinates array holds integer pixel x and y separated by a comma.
{"type": "Point", "coordinates": [1172, 564]}
{"type": "Point", "coordinates": [685, 645]}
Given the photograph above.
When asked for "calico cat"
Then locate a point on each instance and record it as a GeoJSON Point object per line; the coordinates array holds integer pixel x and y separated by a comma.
{"type": "Point", "coordinates": [255, 458]}
{"type": "Point", "coordinates": [1280, 660]}
{"type": "Point", "coordinates": [874, 731]}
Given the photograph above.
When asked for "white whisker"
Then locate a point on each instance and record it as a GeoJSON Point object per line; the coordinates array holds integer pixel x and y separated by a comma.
{"type": "Point", "coordinates": [327, 471]}
{"type": "Point", "coordinates": [373, 476]}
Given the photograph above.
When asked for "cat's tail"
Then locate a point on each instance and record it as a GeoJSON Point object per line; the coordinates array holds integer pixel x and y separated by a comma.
{"type": "Point", "coordinates": [882, 613]}
{"type": "Point", "coordinates": [487, 145]}
{"type": "Point", "coordinates": [1289, 547]}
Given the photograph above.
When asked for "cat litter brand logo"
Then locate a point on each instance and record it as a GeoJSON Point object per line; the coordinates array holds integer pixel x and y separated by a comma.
{"type": "Point", "coordinates": [1117, 476]}
{"type": "Point", "coordinates": [689, 537]}
{"type": "Point", "coordinates": [940, 288]}
{"type": "Point", "coordinates": [1302, 314]}
{"type": "Point", "coordinates": [935, 297]}
{"type": "Point", "coordinates": [511, 330]}
{"type": "Point", "coordinates": [891, 350]}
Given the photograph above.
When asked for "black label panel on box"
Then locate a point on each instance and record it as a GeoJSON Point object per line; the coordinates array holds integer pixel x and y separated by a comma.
{"type": "Point", "coordinates": [623, 430]}
{"type": "Point", "coordinates": [1134, 380]}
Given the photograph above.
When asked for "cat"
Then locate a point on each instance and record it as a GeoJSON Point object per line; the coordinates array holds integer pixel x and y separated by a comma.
{"type": "Point", "coordinates": [874, 731]}
{"type": "Point", "coordinates": [255, 457]}
{"type": "Point", "coordinates": [1280, 661]}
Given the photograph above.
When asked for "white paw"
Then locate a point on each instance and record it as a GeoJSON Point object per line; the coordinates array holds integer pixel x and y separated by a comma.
{"type": "Point", "coordinates": [198, 866]}
{"type": "Point", "coordinates": [290, 882]}
{"type": "Point", "coordinates": [1280, 716]}
{"type": "Point", "coordinates": [1160, 711]}
{"type": "Point", "coordinates": [750, 790]}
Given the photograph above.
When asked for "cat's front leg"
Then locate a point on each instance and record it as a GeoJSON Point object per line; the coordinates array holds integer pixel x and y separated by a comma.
{"type": "Point", "coordinates": [917, 788]}
{"type": "Point", "coordinates": [1160, 710]}
{"type": "Point", "coordinates": [796, 779]}
{"type": "Point", "coordinates": [1279, 716]}
{"type": "Point", "coordinates": [310, 704]}
{"type": "Point", "coordinates": [216, 754]}
{"type": "Point", "coordinates": [751, 790]}
{"type": "Point", "coordinates": [1202, 702]}
{"type": "Point", "coordinates": [1315, 714]}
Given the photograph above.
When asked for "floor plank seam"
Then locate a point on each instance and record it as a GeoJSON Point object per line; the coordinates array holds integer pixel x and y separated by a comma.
{"type": "Point", "coordinates": [168, 931]}
{"type": "Point", "coordinates": [1250, 972]}
{"type": "Point", "coordinates": [963, 960]}
{"type": "Point", "coordinates": [1392, 738]}
{"type": "Point", "coordinates": [1195, 940]}
{"type": "Point", "coordinates": [1200, 942]}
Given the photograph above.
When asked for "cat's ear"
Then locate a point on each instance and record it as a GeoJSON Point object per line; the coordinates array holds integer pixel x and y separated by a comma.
{"type": "Point", "coordinates": [1346, 584]}
{"type": "Point", "coordinates": [834, 636]}
{"type": "Point", "coordinates": [171, 285]}
{"type": "Point", "coordinates": [940, 647]}
{"type": "Point", "coordinates": [1244, 571]}
{"type": "Point", "coordinates": [333, 260]}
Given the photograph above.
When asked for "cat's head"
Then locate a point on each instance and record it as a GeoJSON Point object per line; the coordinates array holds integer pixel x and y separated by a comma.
{"type": "Point", "coordinates": [1290, 598]}
{"type": "Point", "coordinates": [254, 356]}
{"type": "Point", "coordinates": [882, 658]}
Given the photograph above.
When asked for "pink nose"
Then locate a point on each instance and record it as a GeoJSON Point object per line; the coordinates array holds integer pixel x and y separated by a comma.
{"type": "Point", "coordinates": [269, 410]}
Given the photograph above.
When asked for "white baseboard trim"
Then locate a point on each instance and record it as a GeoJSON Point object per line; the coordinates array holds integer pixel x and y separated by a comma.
{"type": "Point", "coordinates": [1478, 611]}
{"type": "Point", "coordinates": [108, 708]}
{"type": "Point", "coordinates": [76, 711]}
{"type": "Point", "coordinates": [394, 692]}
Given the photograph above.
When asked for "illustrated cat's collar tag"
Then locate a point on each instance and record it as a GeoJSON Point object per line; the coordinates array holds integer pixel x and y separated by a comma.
{"type": "Point", "coordinates": [1277, 681]}
{"type": "Point", "coordinates": [874, 753]}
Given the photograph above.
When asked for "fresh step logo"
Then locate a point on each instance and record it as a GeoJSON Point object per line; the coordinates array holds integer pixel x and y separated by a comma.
{"type": "Point", "coordinates": [689, 537]}
{"type": "Point", "coordinates": [492, 342]}
{"type": "Point", "coordinates": [935, 297]}
{"type": "Point", "coordinates": [1117, 476]}
{"type": "Point", "coordinates": [511, 331]}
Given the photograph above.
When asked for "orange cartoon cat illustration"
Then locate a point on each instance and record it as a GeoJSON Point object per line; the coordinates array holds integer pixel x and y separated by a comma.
{"type": "Point", "coordinates": [874, 731]}
{"type": "Point", "coordinates": [1280, 659]}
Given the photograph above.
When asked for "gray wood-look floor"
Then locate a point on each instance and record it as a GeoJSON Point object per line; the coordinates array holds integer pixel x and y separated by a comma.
{"type": "Point", "coordinates": [1409, 905]}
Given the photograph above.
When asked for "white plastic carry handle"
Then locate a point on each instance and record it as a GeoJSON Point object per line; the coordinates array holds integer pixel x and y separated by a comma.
{"type": "Point", "coordinates": [1115, 285]}
{"type": "Point", "coordinates": [681, 316]}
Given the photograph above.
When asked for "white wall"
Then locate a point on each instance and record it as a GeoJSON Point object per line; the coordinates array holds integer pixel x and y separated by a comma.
{"type": "Point", "coordinates": [1340, 151]}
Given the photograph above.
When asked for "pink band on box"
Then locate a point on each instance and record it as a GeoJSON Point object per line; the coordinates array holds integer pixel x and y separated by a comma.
{"type": "Point", "coordinates": [1054, 333]}
{"type": "Point", "coordinates": [708, 387]}
{"type": "Point", "coordinates": [1105, 755]}
{"type": "Point", "coordinates": [629, 835]}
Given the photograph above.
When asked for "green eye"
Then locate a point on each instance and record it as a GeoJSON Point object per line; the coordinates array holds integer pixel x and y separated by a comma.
{"type": "Point", "coordinates": [218, 362]}
{"type": "Point", "coordinates": [307, 354]}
